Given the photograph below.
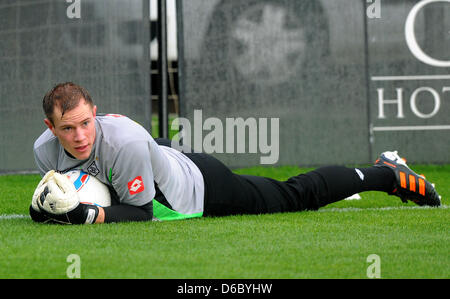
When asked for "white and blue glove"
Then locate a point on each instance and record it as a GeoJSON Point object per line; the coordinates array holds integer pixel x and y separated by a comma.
{"type": "Point", "coordinates": [57, 199]}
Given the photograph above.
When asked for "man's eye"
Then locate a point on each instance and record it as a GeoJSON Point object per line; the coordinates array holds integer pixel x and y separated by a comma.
{"type": "Point", "coordinates": [67, 129]}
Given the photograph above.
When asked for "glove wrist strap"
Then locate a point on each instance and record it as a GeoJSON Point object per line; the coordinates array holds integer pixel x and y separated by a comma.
{"type": "Point", "coordinates": [91, 214]}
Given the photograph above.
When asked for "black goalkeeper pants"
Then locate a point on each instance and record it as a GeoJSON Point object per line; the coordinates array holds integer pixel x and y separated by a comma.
{"type": "Point", "coordinates": [227, 193]}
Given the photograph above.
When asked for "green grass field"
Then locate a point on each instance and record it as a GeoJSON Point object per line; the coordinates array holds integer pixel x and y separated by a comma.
{"type": "Point", "coordinates": [334, 242]}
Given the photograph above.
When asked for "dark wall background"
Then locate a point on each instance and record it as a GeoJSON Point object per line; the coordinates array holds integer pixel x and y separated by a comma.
{"type": "Point", "coordinates": [423, 136]}
{"type": "Point", "coordinates": [311, 64]}
{"type": "Point", "coordinates": [322, 67]}
{"type": "Point", "coordinates": [105, 50]}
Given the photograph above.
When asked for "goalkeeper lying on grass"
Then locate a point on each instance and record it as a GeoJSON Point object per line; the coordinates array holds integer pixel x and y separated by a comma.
{"type": "Point", "coordinates": [147, 176]}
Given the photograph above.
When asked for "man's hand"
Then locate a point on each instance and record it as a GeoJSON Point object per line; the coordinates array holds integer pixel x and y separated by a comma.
{"type": "Point", "coordinates": [58, 200]}
{"type": "Point", "coordinates": [39, 189]}
{"type": "Point", "coordinates": [59, 195]}
{"type": "Point", "coordinates": [35, 211]}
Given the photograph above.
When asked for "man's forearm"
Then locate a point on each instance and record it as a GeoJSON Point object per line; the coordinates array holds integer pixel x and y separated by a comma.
{"type": "Point", "coordinates": [122, 213]}
{"type": "Point", "coordinates": [116, 213]}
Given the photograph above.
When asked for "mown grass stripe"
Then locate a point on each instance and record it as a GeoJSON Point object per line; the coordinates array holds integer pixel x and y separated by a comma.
{"type": "Point", "coordinates": [328, 210]}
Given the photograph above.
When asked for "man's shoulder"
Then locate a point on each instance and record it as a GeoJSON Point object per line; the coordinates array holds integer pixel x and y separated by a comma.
{"type": "Point", "coordinates": [118, 130]}
{"type": "Point", "coordinates": [45, 149]}
{"type": "Point", "coordinates": [45, 139]}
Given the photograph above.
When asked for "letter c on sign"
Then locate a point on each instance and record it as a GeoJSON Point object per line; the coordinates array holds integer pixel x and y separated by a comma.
{"type": "Point", "coordinates": [411, 38]}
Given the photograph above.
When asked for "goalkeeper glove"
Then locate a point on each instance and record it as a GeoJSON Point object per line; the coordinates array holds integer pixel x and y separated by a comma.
{"type": "Point", "coordinates": [40, 187]}
{"type": "Point", "coordinates": [80, 214]}
{"type": "Point", "coordinates": [59, 201]}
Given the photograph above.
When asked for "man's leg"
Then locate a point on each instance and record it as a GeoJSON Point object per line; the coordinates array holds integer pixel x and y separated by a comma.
{"type": "Point", "coordinates": [390, 174]}
{"type": "Point", "coordinates": [335, 183]}
{"type": "Point", "coordinates": [228, 193]}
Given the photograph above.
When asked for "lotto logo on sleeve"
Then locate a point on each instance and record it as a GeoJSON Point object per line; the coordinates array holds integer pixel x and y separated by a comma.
{"type": "Point", "coordinates": [136, 185]}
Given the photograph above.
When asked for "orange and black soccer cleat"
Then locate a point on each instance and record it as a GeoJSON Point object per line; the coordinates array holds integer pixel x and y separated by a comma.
{"type": "Point", "coordinates": [408, 184]}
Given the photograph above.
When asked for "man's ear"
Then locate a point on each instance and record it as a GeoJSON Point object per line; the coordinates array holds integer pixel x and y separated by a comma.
{"type": "Point", "coordinates": [94, 111]}
{"type": "Point", "coordinates": [50, 125]}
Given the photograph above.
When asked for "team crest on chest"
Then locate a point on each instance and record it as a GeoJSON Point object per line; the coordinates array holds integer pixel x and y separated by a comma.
{"type": "Point", "coordinates": [93, 169]}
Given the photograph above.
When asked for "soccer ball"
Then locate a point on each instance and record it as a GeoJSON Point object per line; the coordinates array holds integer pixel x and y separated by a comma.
{"type": "Point", "coordinates": [90, 189]}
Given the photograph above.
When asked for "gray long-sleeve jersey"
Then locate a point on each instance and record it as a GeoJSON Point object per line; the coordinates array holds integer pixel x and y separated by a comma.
{"type": "Point", "coordinates": [126, 157]}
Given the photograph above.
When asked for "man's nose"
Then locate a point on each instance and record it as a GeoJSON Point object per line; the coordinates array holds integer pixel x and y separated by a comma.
{"type": "Point", "coordinates": [79, 134]}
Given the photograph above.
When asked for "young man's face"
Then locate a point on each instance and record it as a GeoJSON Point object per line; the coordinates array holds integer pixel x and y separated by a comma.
{"type": "Point", "coordinates": [75, 129]}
